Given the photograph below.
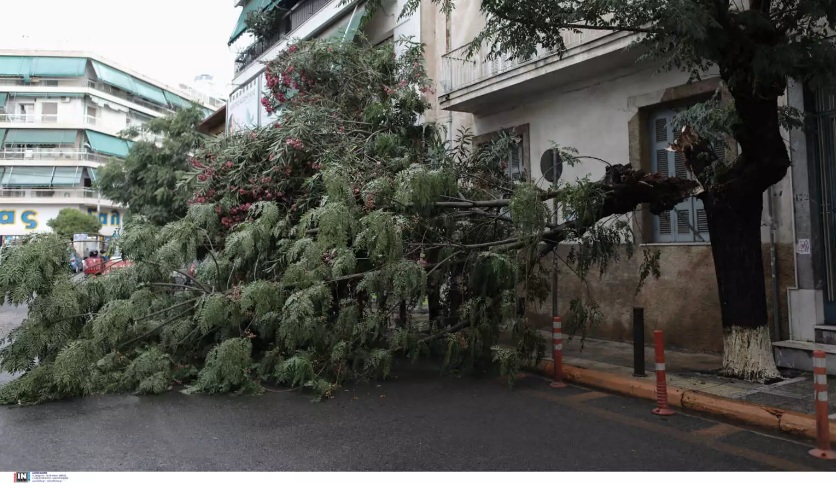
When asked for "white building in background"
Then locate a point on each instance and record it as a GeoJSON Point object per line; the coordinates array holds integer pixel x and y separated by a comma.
{"type": "Point", "coordinates": [305, 19]}
{"type": "Point", "coordinates": [60, 118]}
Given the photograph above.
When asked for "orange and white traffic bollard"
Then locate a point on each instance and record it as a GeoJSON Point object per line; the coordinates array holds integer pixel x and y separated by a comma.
{"type": "Point", "coordinates": [557, 353]}
{"type": "Point", "coordinates": [822, 450]}
{"type": "Point", "coordinates": [662, 407]}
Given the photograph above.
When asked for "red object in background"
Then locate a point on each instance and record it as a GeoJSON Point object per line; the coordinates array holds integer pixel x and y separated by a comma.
{"type": "Point", "coordinates": [662, 407]}
{"type": "Point", "coordinates": [93, 265]}
{"type": "Point", "coordinates": [110, 265]}
{"type": "Point", "coordinates": [557, 352]}
{"type": "Point", "coordinates": [822, 450]}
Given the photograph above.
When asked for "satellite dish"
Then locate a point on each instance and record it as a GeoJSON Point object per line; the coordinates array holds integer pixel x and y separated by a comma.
{"type": "Point", "coordinates": [551, 165]}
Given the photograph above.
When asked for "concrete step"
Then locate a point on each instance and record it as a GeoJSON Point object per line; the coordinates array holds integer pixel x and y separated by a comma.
{"type": "Point", "coordinates": [826, 334]}
{"type": "Point", "coordinates": [799, 355]}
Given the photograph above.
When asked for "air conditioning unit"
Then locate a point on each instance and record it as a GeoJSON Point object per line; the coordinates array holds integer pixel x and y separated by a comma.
{"type": "Point", "coordinates": [65, 99]}
{"type": "Point", "coordinates": [29, 154]}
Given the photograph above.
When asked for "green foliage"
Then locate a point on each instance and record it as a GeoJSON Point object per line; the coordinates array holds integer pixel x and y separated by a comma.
{"type": "Point", "coordinates": [73, 221]}
{"type": "Point", "coordinates": [148, 180]}
{"type": "Point", "coordinates": [304, 251]}
{"type": "Point", "coordinates": [227, 369]}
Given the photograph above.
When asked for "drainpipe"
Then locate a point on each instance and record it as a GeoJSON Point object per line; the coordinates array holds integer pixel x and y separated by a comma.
{"type": "Point", "coordinates": [448, 26]}
{"type": "Point", "coordinates": [773, 255]}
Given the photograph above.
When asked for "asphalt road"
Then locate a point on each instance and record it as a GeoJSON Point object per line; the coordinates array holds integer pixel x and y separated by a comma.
{"type": "Point", "coordinates": [419, 422]}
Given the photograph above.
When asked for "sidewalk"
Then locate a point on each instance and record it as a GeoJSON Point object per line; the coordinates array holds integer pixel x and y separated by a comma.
{"type": "Point", "coordinates": [695, 371]}
{"type": "Point", "coordinates": [693, 383]}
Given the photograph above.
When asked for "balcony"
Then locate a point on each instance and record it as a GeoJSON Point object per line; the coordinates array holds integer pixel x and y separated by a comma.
{"type": "Point", "coordinates": [85, 121]}
{"type": "Point", "coordinates": [52, 155]}
{"type": "Point", "coordinates": [299, 15]}
{"type": "Point", "coordinates": [48, 193]}
{"type": "Point", "coordinates": [477, 84]}
{"type": "Point", "coordinates": [116, 92]}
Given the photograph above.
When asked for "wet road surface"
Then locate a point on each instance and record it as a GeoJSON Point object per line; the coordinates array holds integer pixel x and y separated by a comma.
{"type": "Point", "coordinates": [419, 422]}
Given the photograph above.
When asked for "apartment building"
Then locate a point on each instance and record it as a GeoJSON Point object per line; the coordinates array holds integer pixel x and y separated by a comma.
{"type": "Point", "coordinates": [599, 99]}
{"type": "Point", "coordinates": [308, 19]}
{"type": "Point", "coordinates": [61, 114]}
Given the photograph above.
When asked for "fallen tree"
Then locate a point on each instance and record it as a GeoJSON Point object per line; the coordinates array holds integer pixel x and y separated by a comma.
{"type": "Point", "coordinates": [317, 237]}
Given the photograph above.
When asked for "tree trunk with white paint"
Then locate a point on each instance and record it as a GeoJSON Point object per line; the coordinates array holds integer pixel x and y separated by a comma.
{"type": "Point", "coordinates": [734, 222]}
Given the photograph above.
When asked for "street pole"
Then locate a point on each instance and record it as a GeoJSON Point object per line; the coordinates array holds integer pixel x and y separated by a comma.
{"type": "Point", "coordinates": [554, 267]}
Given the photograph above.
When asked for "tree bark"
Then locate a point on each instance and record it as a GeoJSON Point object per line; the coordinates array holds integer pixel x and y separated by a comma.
{"type": "Point", "coordinates": [734, 223]}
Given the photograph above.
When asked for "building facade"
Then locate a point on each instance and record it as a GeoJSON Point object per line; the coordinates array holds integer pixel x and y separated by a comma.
{"type": "Point", "coordinates": [61, 114]}
{"type": "Point", "coordinates": [307, 19]}
{"type": "Point", "coordinates": [600, 99]}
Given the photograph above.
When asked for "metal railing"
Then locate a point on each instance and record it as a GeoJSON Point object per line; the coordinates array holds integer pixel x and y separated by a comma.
{"type": "Point", "coordinates": [32, 193]}
{"type": "Point", "coordinates": [43, 119]}
{"type": "Point", "coordinates": [299, 15]}
{"type": "Point", "coordinates": [459, 71]}
{"type": "Point", "coordinates": [97, 85]}
{"type": "Point", "coordinates": [28, 119]}
{"type": "Point", "coordinates": [52, 154]}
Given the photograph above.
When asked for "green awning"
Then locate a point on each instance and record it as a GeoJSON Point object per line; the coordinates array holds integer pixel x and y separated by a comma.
{"type": "Point", "coordinates": [66, 176]}
{"type": "Point", "coordinates": [251, 6]}
{"type": "Point", "coordinates": [176, 100]}
{"type": "Point", "coordinates": [3, 97]}
{"type": "Point", "coordinates": [15, 65]}
{"type": "Point", "coordinates": [92, 173]}
{"type": "Point", "coordinates": [28, 176]}
{"type": "Point", "coordinates": [347, 27]}
{"type": "Point", "coordinates": [119, 79]}
{"type": "Point", "coordinates": [2, 135]}
{"type": "Point", "coordinates": [114, 77]}
{"type": "Point", "coordinates": [40, 136]}
{"type": "Point", "coordinates": [354, 23]}
{"type": "Point", "coordinates": [47, 67]}
{"type": "Point", "coordinates": [105, 144]}
{"type": "Point", "coordinates": [149, 92]}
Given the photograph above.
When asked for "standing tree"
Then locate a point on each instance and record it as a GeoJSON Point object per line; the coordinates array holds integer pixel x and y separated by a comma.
{"type": "Point", "coordinates": [146, 181]}
{"type": "Point", "coordinates": [73, 221]}
{"type": "Point", "coordinates": [757, 45]}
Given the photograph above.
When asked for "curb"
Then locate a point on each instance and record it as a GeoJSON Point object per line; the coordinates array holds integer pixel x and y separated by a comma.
{"type": "Point", "coordinates": [773, 418]}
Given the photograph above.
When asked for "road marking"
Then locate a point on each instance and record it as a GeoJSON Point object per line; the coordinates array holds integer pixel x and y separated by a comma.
{"type": "Point", "coordinates": [590, 395]}
{"type": "Point", "coordinates": [718, 430]}
{"type": "Point", "coordinates": [758, 457]}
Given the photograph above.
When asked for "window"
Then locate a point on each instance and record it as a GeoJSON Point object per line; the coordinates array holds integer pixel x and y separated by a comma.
{"type": "Point", "coordinates": [26, 109]}
{"type": "Point", "coordinates": [49, 111]}
{"type": "Point", "coordinates": [687, 222]}
{"type": "Point", "coordinates": [516, 169]}
{"type": "Point", "coordinates": [92, 115]}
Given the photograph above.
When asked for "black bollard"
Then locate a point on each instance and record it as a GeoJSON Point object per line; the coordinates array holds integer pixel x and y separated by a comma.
{"type": "Point", "coordinates": [638, 342]}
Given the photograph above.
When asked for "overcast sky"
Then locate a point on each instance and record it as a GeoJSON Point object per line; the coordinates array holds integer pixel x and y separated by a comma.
{"type": "Point", "coordinates": [169, 40]}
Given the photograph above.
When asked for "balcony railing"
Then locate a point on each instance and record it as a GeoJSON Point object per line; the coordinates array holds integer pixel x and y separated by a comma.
{"type": "Point", "coordinates": [304, 10]}
{"type": "Point", "coordinates": [459, 71]}
{"type": "Point", "coordinates": [32, 193]}
{"type": "Point", "coordinates": [29, 119]}
{"type": "Point", "coordinates": [97, 85]}
{"type": "Point", "coordinates": [52, 154]}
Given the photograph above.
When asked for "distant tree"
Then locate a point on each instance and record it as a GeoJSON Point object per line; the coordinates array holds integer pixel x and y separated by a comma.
{"type": "Point", "coordinates": [73, 221]}
{"type": "Point", "coordinates": [147, 180]}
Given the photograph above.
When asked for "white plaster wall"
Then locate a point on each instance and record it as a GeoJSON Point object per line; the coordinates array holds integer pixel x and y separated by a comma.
{"type": "Point", "coordinates": [111, 121]}
{"type": "Point", "coordinates": [594, 119]}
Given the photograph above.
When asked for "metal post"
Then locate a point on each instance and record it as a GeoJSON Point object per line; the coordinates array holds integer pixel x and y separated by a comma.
{"type": "Point", "coordinates": [638, 342]}
{"type": "Point", "coordinates": [555, 310]}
